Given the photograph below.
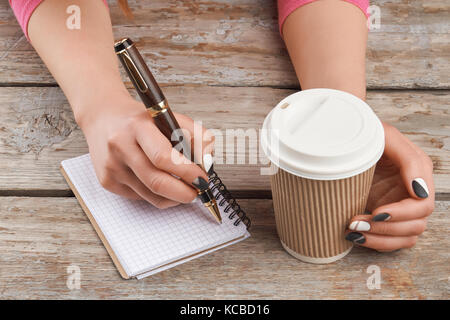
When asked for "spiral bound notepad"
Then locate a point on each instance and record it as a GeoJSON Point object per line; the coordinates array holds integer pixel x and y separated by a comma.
{"type": "Point", "coordinates": [143, 240]}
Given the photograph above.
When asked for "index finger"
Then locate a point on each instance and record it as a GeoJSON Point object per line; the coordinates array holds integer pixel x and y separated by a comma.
{"type": "Point", "coordinates": [202, 140]}
{"type": "Point", "coordinates": [406, 209]}
{"type": "Point", "coordinates": [160, 152]}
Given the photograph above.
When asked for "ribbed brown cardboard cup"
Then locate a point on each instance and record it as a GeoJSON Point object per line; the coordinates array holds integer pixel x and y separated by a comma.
{"type": "Point", "coordinates": [312, 215]}
{"type": "Point", "coordinates": [324, 145]}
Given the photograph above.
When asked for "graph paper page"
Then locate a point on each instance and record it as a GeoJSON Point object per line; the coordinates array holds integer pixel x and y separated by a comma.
{"type": "Point", "coordinates": [142, 236]}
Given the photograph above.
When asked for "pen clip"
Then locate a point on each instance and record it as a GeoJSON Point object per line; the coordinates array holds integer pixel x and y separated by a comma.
{"type": "Point", "coordinates": [134, 72]}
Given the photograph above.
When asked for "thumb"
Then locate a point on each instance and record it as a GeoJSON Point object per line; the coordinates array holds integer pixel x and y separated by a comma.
{"type": "Point", "coordinates": [413, 163]}
{"type": "Point", "coordinates": [202, 141]}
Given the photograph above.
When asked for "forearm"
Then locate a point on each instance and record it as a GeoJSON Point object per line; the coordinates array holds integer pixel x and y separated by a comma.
{"type": "Point", "coordinates": [82, 60]}
{"type": "Point", "coordinates": [326, 41]}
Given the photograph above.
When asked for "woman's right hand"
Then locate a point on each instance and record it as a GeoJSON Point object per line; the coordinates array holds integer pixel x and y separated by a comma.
{"type": "Point", "coordinates": [132, 158]}
{"type": "Point", "coordinates": [130, 155]}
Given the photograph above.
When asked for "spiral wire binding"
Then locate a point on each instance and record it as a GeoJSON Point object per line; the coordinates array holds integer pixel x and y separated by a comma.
{"type": "Point", "coordinates": [227, 197]}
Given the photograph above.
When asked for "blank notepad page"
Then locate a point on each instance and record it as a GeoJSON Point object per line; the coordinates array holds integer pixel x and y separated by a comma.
{"type": "Point", "coordinates": [142, 236]}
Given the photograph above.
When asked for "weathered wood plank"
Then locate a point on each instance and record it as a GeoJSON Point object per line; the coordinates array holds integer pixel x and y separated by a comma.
{"type": "Point", "coordinates": [236, 42]}
{"type": "Point", "coordinates": [41, 237]}
{"type": "Point", "coordinates": [37, 130]}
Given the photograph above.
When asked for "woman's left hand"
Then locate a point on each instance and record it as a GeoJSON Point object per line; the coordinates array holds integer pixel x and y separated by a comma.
{"type": "Point", "coordinates": [400, 199]}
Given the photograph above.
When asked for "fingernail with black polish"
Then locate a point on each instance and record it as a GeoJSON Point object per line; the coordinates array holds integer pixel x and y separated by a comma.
{"type": "Point", "coordinates": [356, 237]}
{"type": "Point", "coordinates": [420, 188]}
{"type": "Point", "coordinates": [200, 183]}
{"type": "Point", "coordinates": [382, 217]}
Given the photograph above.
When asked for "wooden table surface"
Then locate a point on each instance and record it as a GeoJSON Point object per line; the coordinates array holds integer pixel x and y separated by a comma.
{"type": "Point", "coordinates": [227, 58]}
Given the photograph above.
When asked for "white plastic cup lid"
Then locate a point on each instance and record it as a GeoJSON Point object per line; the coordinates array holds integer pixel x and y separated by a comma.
{"type": "Point", "coordinates": [323, 134]}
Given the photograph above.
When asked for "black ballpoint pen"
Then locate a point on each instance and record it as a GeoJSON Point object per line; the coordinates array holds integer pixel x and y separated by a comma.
{"type": "Point", "coordinates": [157, 106]}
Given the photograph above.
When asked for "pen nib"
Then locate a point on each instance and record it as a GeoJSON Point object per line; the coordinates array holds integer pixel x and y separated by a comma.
{"type": "Point", "coordinates": [215, 212]}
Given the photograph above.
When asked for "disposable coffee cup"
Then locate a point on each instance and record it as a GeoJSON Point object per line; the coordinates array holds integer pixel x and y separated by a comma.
{"type": "Point", "coordinates": [324, 145]}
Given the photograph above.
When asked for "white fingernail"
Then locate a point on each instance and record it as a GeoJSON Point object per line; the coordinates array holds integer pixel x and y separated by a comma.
{"type": "Point", "coordinates": [359, 226]}
{"type": "Point", "coordinates": [207, 161]}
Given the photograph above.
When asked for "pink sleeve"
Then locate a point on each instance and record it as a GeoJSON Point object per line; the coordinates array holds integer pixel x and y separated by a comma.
{"type": "Point", "coordinates": [286, 7]}
{"type": "Point", "coordinates": [23, 9]}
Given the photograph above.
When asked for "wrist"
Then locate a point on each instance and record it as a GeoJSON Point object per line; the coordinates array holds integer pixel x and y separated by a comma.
{"type": "Point", "coordinates": [89, 110]}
